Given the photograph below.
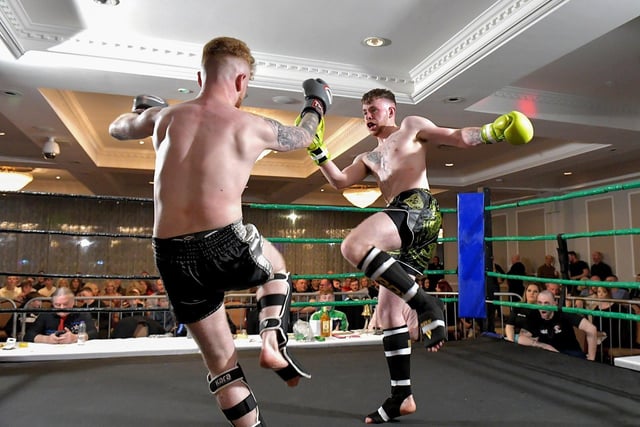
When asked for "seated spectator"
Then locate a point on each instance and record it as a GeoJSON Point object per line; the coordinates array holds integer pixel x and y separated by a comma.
{"type": "Point", "coordinates": [548, 269]}
{"type": "Point", "coordinates": [86, 298]}
{"type": "Point", "coordinates": [599, 267]}
{"type": "Point", "coordinates": [11, 290]}
{"type": "Point", "coordinates": [553, 331]}
{"type": "Point", "coordinates": [301, 313]}
{"type": "Point", "coordinates": [31, 301]}
{"type": "Point", "coordinates": [339, 320]}
{"type": "Point", "coordinates": [48, 289]}
{"type": "Point", "coordinates": [76, 285]}
{"type": "Point", "coordinates": [449, 309]}
{"type": "Point", "coordinates": [617, 293]}
{"type": "Point", "coordinates": [518, 317]}
{"type": "Point", "coordinates": [619, 332]}
{"type": "Point", "coordinates": [165, 318]}
{"type": "Point", "coordinates": [26, 287]}
{"type": "Point", "coordinates": [60, 327]}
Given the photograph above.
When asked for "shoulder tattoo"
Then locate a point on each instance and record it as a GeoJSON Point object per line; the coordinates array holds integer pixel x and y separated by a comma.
{"type": "Point", "coordinates": [288, 137]}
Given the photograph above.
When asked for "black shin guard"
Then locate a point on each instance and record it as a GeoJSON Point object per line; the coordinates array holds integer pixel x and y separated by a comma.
{"type": "Point", "coordinates": [381, 267]}
{"type": "Point", "coordinates": [397, 350]}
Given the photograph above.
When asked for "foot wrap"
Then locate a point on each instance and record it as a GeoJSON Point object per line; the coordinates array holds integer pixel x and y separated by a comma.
{"type": "Point", "coordinates": [243, 407]}
{"type": "Point", "coordinates": [389, 410]}
{"type": "Point", "coordinates": [281, 325]}
{"type": "Point", "coordinates": [431, 321]}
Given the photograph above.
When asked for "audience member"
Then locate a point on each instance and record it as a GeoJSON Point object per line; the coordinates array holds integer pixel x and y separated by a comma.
{"type": "Point", "coordinates": [165, 318]}
{"type": "Point", "coordinates": [599, 267]}
{"type": "Point", "coordinates": [339, 320]}
{"type": "Point", "coordinates": [548, 269]}
{"type": "Point", "coordinates": [450, 314]}
{"type": "Point", "coordinates": [26, 287]}
{"type": "Point", "coordinates": [516, 286]}
{"type": "Point", "coordinates": [578, 269]}
{"type": "Point", "coordinates": [76, 285]}
{"type": "Point", "coordinates": [492, 288]}
{"type": "Point", "coordinates": [39, 282]}
{"type": "Point", "coordinates": [11, 290]}
{"type": "Point", "coordinates": [518, 316]}
{"type": "Point", "coordinates": [619, 332]}
{"type": "Point", "coordinates": [60, 327]}
{"type": "Point", "coordinates": [301, 313]}
{"type": "Point", "coordinates": [86, 299]}
{"type": "Point", "coordinates": [554, 331]}
{"type": "Point", "coordinates": [433, 278]}
{"type": "Point", "coordinates": [48, 289]}
{"type": "Point", "coordinates": [617, 293]}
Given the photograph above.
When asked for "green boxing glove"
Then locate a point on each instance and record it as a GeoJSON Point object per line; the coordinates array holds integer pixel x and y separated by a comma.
{"type": "Point", "coordinates": [513, 127]}
{"type": "Point", "coordinates": [318, 149]}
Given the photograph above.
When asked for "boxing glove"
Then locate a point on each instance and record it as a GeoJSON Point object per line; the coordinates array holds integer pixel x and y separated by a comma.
{"type": "Point", "coordinates": [513, 127]}
{"type": "Point", "coordinates": [317, 97]}
{"type": "Point", "coordinates": [144, 102]}
{"type": "Point", "coordinates": [318, 149]}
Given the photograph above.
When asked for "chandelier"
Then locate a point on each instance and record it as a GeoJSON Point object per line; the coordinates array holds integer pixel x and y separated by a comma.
{"type": "Point", "coordinates": [361, 196]}
{"type": "Point", "coordinates": [11, 180]}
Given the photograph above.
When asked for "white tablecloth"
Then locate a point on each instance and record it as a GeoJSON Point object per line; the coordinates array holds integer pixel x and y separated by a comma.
{"type": "Point", "coordinates": [154, 346]}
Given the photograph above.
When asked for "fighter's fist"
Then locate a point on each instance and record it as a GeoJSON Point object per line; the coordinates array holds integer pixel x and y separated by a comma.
{"type": "Point", "coordinates": [513, 127]}
{"type": "Point", "coordinates": [317, 97]}
{"type": "Point", "coordinates": [143, 102]}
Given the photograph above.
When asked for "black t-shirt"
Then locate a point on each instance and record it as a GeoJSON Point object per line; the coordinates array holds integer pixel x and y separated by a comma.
{"type": "Point", "coordinates": [577, 268]}
{"type": "Point", "coordinates": [557, 331]}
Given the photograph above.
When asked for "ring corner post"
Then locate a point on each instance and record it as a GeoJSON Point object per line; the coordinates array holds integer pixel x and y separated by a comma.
{"type": "Point", "coordinates": [471, 258]}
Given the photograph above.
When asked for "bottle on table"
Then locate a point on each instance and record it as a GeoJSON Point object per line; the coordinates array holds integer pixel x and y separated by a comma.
{"type": "Point", "coordinates": [82, 333]}
{"type": "Point", "coordinates": [325, 323]}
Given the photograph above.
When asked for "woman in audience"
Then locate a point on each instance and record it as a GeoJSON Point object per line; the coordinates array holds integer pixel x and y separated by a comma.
{"type": "Point", "coordinates": [618, 332]}
{"type": "Point", "coordinates": [518, 316]}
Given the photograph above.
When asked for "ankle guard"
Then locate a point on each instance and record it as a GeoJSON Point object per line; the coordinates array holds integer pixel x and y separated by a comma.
{"type": "Point", "coordinates": [281, 325]}
{"type": "Point", "coordinates": [243, 407]}
{"type": "Point", "coordinates": [381, 267]}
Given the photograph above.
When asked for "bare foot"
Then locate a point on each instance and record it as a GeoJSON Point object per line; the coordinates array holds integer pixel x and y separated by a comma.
{"type": "Point", "coordinates": [407, 407]}
{"type": "Point", "coordinates": [271, 358]}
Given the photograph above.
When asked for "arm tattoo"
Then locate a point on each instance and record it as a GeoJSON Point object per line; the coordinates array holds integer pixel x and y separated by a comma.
{"type": "Point", "coordinates": [290, 137]}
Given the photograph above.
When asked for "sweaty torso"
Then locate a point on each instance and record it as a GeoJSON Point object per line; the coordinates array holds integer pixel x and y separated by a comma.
{"type": "Point", "coordinates": [399, 162]}
{"type": "Point", "coordinates": [204, 156]}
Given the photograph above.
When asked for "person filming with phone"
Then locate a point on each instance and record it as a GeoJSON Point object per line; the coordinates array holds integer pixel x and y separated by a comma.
{"type": "Point", "coordinates": [59, 327]}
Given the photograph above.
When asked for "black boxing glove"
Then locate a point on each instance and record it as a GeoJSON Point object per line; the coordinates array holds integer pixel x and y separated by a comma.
{"type": "Point", "coordinates": [317, 97]}
{"type": "Point", "coordinates": [144, 102]}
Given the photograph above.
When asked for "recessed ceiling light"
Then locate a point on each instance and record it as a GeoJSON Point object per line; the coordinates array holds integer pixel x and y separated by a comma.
{"type": "Point", "coordinates": [568, 173]}
{"type": "Point", "coordinates": [141, 142]}
{"type": "Point", "coordinates": [11, 92]}
{"type": "Point", "coordinates": [58, 177]}
{"type": "Point", "coordinates": [285, 100]}
{"type": "Point", "coordinates": [108, 2]}
{"type": "Point", "coordinates": [449, 165]}
{"type": "Point", "coordinates": [2, 134]}
{"type": "Point", "coordinates": [375, 41]}
{"type": "Point", "coordinates": [453, 99]}
{"type": "Point", "coordinates": [184, 90]}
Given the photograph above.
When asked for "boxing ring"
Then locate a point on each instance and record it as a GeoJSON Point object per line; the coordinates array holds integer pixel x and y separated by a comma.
{"type": "Point", "coordinates": [476, 382]}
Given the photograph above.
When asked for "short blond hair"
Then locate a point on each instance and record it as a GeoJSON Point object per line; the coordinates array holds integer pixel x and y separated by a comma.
{"type": "Point", "coordinates": [227, 46]}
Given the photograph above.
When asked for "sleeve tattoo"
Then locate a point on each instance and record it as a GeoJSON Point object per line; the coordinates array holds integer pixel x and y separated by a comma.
{"type": "Point", "coordinates": [292, 137]}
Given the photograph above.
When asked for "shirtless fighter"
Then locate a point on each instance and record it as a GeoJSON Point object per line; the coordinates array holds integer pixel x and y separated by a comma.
{"type": "Point", "coordinates": [205, 150]}
{"type": "Point", "coordinates": [392, 247]}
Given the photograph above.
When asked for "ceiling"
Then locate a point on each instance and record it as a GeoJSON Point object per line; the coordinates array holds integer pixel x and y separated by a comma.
{"type": "Point", "coordinates": [69, 67]}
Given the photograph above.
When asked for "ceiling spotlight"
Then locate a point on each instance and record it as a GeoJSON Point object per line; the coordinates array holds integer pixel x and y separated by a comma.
{"type": "Point", "coordinates": [108, 2]}
{"type": "Point", "coordinates": [453, 99]}
{"type": "Point", "coordinates": [376, 41]}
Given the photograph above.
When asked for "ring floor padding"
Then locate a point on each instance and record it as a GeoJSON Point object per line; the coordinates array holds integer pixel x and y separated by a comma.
{"type": "Point", "coordinates": [482, 382]}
